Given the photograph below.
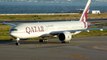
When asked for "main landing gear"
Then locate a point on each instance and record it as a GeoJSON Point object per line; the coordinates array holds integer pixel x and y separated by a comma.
{"type": "Point", "coordinates": [42, 40]}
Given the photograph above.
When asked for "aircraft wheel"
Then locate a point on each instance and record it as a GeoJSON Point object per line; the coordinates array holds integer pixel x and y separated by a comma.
{"type": "Point", "coordinates": [41, 41]}
{"type": "Point", "coordinates": [17, 44]}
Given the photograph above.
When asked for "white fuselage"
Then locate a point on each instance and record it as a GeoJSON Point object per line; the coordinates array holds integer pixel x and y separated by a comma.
{"type": "Point", "coordinates": [37, 29]}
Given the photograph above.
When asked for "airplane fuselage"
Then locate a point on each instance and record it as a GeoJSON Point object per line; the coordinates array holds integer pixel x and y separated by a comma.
{"type": "Point", "coordinates": [37, 29]}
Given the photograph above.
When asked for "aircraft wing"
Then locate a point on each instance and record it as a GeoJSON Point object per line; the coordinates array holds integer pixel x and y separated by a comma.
{"type": "Point", "coordinates": [77, 31]}
{"type": "Point", "coordinates": [71, 31]}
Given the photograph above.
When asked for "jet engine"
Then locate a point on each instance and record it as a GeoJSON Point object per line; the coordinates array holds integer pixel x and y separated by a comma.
{"type": "Point", "coordinates": [65, 37]}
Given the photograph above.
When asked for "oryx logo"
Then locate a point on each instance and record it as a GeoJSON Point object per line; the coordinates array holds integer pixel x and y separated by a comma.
{"type": "Point", "coordinates": [84, 19]}
{"type": "Point", "coordinates": [85, 15]}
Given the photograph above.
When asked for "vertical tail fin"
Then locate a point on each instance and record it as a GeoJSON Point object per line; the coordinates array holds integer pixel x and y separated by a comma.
{"type": "Point", "coordinates": [86, 10]}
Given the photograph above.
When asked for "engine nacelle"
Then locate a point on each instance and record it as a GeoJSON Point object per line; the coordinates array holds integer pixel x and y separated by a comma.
{"type": "Point", "coordinates": [65, 37]}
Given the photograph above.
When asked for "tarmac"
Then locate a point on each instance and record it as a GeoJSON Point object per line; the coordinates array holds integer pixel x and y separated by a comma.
{"type": "Point", "coordinates": [89, 48]}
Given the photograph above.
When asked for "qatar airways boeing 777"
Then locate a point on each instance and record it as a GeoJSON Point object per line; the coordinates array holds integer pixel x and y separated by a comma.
{"type": "Point", "coordinates": [64, 30]}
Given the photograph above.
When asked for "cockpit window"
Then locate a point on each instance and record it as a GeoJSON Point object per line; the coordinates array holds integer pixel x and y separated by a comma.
{"type": "Point", "coordinates": [13, 29]}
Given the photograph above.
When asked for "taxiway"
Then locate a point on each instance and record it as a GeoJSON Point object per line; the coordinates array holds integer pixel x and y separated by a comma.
{"type": "Point", "coordinates": [90, 48]}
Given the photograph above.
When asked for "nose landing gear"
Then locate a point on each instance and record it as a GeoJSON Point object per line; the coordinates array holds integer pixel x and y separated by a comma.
{"type": "Point", "coordinates": [17, 41]}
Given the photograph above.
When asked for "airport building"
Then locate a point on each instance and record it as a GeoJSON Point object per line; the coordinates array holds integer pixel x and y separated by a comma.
{"type": "Point", "coordinates": [96, 12]}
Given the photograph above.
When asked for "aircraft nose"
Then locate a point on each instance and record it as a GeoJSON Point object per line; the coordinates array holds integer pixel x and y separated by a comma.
{"type": "Point", "coordinates": [13, 34]}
